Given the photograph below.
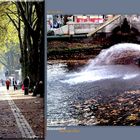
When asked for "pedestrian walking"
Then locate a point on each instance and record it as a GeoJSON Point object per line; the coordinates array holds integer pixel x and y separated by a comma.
{"type": "Point", "coordinates": [26, 84]}
{"type": "Point", "coordinates": [7, 84]}
{"type": "Point", "coordinates": [14, 84]}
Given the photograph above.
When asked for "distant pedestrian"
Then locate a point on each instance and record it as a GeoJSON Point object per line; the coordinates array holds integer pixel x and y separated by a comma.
{"type": "Point", "coordinates": [7, 84]}
{"type": "Point", "coordinates": [14, 84]}
{"type": "Point", "coordinates": [26, 84]}
{"type": "Point", "coordinates": [39, 89]}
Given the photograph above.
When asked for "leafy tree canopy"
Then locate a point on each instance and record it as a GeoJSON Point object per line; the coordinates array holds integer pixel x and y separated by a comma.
{"type": "Point", "coordinates": [8, 33]}
{"type": "Point", "coordinates": [9, 41]}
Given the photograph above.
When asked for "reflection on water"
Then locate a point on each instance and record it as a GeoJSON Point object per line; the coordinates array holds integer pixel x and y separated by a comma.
{"type": "Point", "coordinates": [68, 85]}
{"type": "Point", "coordinates": [64, 88]}
{"type": "Point", "coordinates": [57, 93]}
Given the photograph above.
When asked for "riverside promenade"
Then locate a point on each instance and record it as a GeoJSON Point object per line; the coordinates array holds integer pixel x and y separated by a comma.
{"type": "Point", "coordinates": [21, 116]}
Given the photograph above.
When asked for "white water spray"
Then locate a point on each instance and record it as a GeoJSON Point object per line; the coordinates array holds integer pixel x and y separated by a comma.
{"type": "Point", "coordinates": [108, 65]}
{"type": "Point", "coordinates": [123, 53]}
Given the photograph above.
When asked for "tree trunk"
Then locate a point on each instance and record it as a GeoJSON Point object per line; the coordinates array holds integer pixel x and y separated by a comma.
{"type": "Point", "coordinates": [33, 59]}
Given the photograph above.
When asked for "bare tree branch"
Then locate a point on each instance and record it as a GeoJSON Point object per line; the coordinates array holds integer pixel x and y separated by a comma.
{"type": "Point", "coordinates": [22, 13]}
{"type": "Point", "coordinates": [12, 21]}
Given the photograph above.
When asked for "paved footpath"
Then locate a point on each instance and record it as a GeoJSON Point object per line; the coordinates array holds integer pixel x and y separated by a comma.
{"type": "Point", "coordinates": [12, 122]}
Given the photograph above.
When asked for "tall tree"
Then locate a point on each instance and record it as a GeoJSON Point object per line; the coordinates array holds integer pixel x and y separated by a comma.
{"type": "Point", "coordinates": [28, 20]}
{"type": "Point", "coordinates": [8, 38]}
{"type": "Point", "coordinates": [32, 14]}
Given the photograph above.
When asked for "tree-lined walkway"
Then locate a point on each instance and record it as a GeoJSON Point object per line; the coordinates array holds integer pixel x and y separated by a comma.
{"type": "Point", "coordinates": [22, 40]}
{"type": "Point", "coordinates": [17, 119]}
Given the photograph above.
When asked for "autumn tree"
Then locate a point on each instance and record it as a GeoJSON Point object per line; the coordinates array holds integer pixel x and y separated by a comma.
{"type": "Point", "coordinates": [9, 42]}
{"type": "Point", "coordinates": [32, 14]}
{"type": "Point", "coordinates": [28, 21]}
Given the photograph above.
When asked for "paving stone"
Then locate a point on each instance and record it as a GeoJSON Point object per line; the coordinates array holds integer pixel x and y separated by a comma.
{"type": "Point", "coordinates": [13, 124]}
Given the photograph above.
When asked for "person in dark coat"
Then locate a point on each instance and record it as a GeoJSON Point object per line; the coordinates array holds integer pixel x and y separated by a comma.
{"type": "Point", "coordinates": [14, 84]}
{"type": "Point", "coordinates": [39, 89]}
{"type": "Point", "coordinates": [26, 83]}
